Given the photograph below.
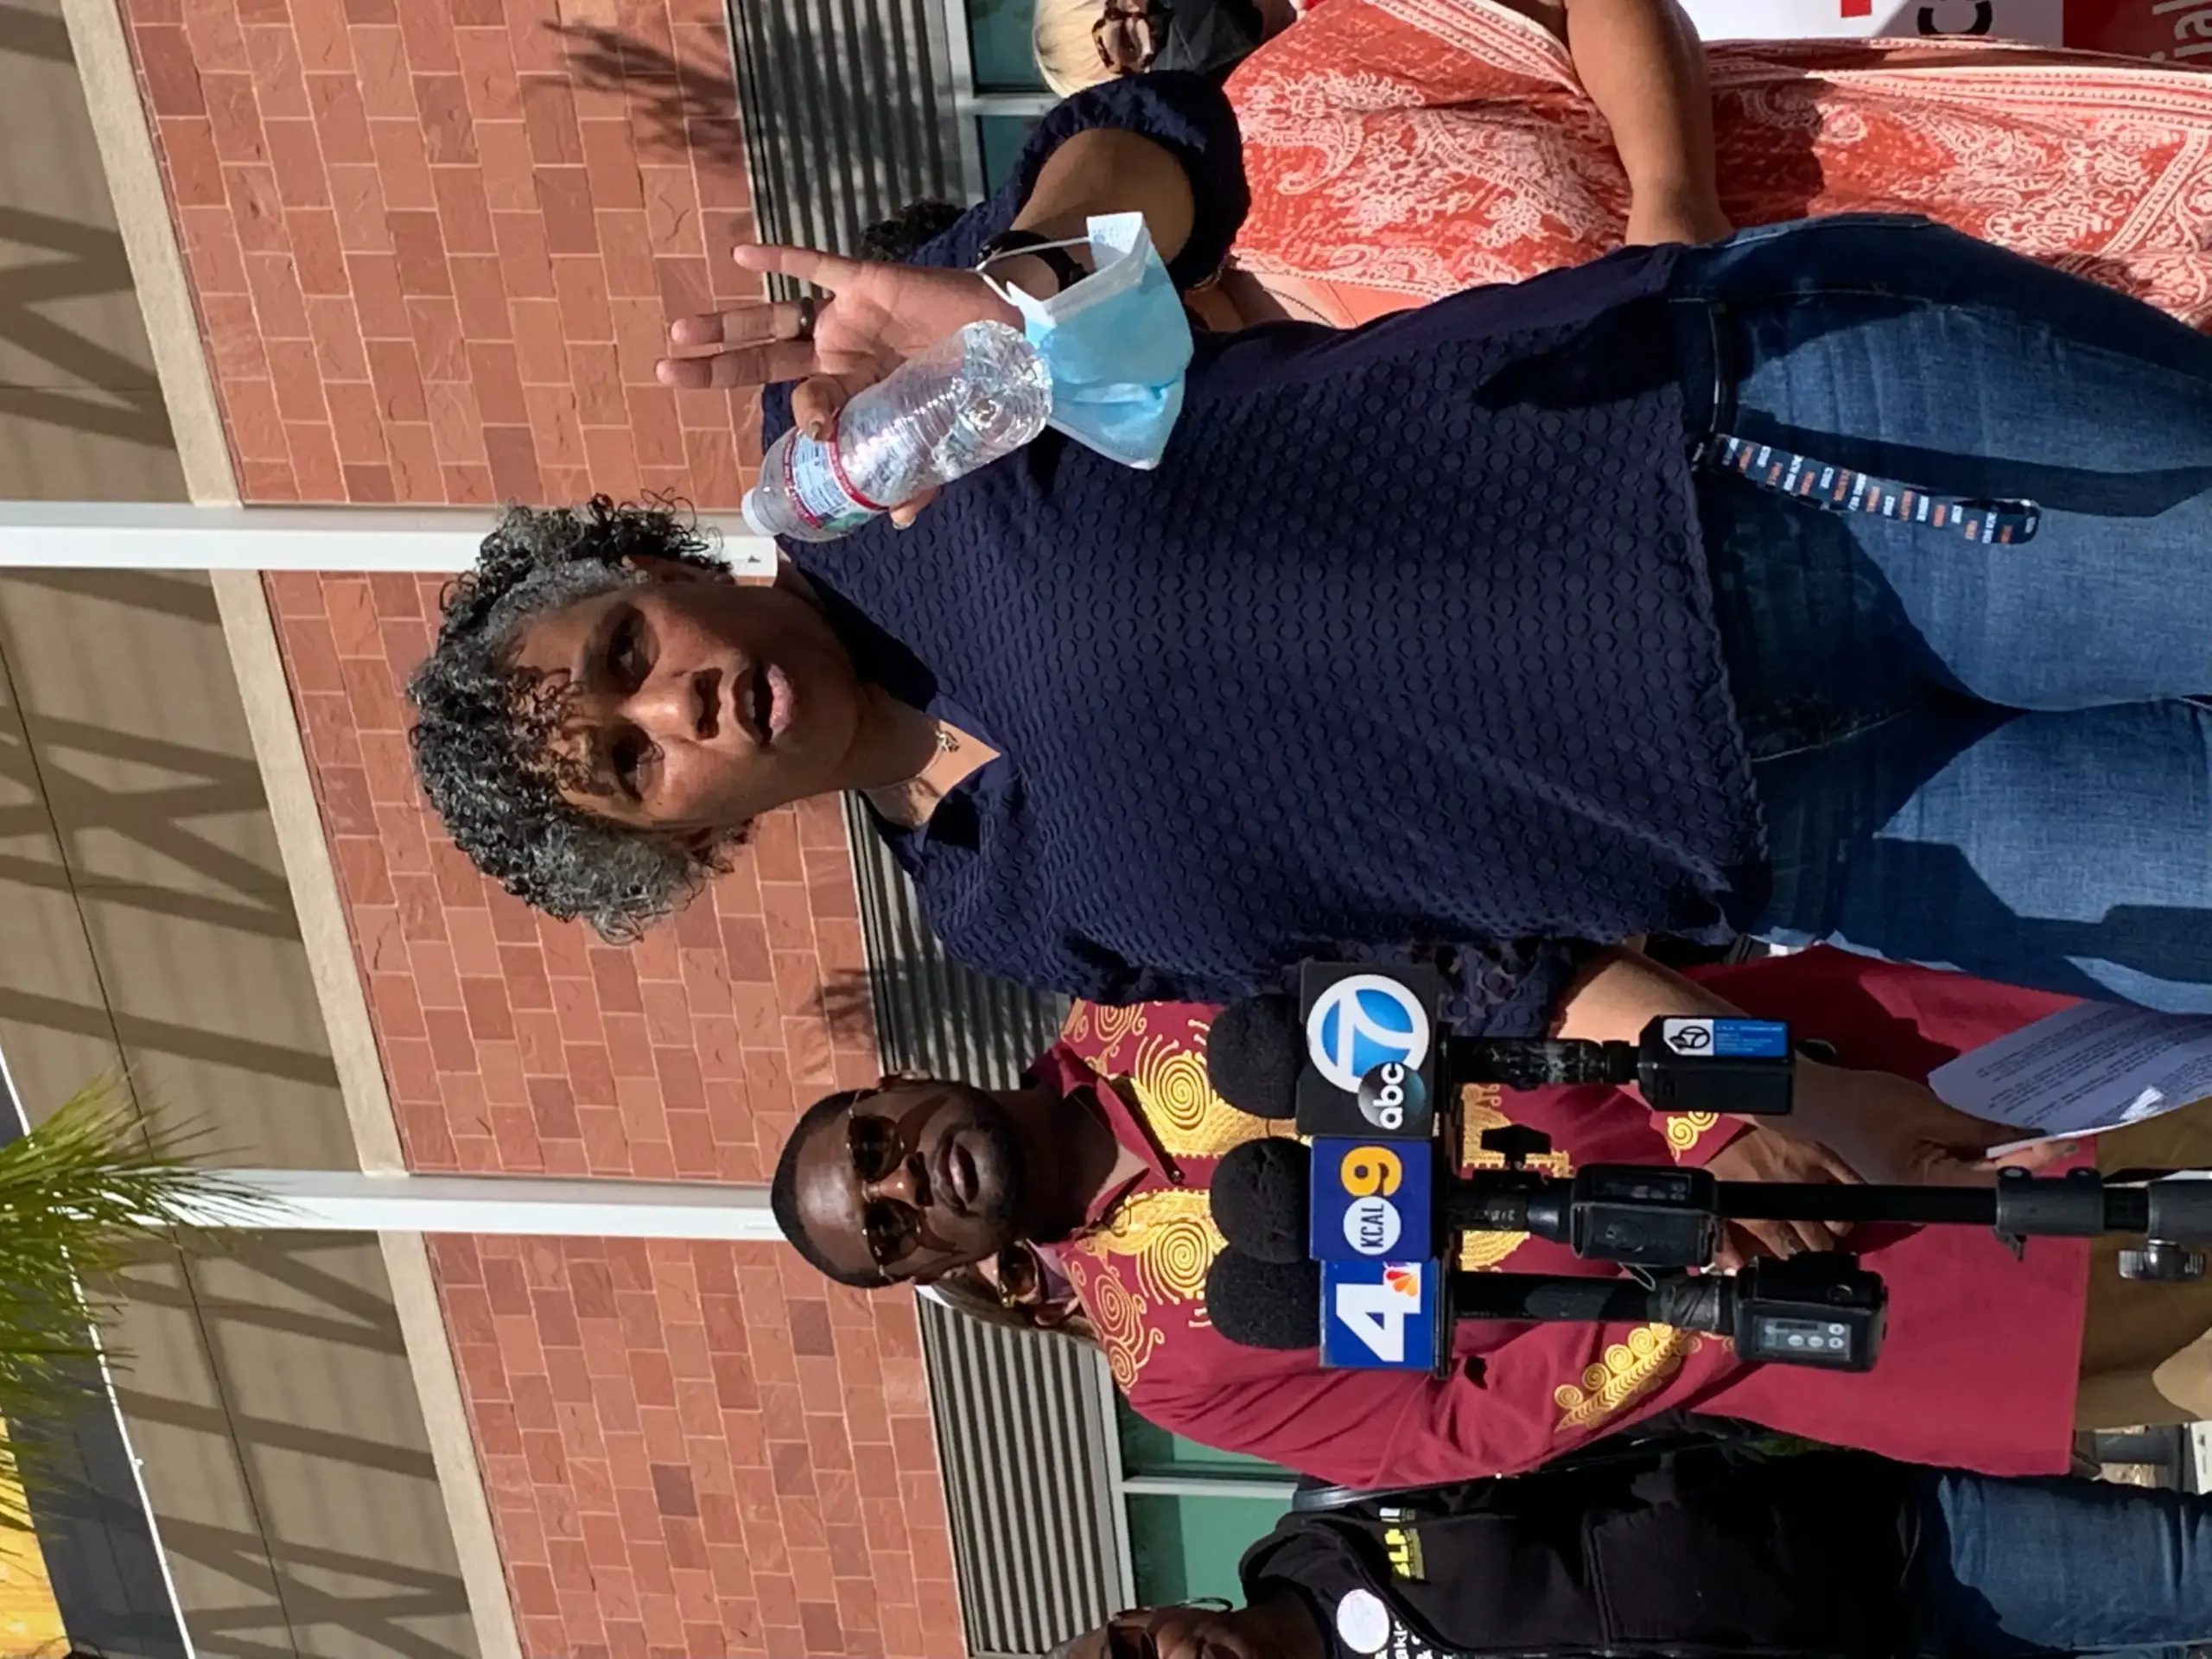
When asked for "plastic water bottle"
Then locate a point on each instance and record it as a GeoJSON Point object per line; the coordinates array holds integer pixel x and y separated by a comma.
{"type": "Point", "coordinates": [966, 401]}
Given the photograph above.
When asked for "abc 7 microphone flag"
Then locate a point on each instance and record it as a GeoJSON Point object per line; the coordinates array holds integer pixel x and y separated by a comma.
{"type": "Point", "coordinates": [1370, 1050]}
{"type": "Point", "coordinates": [1367, 1098]}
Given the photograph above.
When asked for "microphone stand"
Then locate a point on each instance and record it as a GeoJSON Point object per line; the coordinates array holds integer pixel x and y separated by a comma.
{"type": "Point", "coordinates": [1821, 1308]}
{"type": "Point", "coordinates": [1823, 1311]}
{"type": "Point", "coordinates": [1665, 1216]}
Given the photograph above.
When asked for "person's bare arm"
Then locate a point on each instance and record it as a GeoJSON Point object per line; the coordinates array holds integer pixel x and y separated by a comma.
{"type": "Point", "coordinates": [883, 312]}
{"type": "Point", "coordinates": [1886, 1127]}
{"type": "Point", "coordinates": [1643, 65]}
{"type": "Point", "coordinates": [1108, 170]}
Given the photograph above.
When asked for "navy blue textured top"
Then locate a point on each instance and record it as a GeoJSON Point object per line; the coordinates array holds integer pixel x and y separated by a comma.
{"type": "Point", "coordinates": [1406, 650]}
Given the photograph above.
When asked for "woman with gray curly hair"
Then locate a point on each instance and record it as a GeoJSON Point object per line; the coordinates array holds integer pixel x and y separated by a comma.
{"type": "Point", "coordinates": [1487, 636]}
{"type": "Point", "coordinates": [490, 707]}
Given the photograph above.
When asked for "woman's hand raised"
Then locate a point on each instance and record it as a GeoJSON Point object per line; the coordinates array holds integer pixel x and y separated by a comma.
{"type": "Point", "coordinates": [878, 316]}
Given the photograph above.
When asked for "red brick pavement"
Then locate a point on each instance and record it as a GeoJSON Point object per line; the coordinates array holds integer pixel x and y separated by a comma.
{"type": "Point", "coordinates": [432, 245]}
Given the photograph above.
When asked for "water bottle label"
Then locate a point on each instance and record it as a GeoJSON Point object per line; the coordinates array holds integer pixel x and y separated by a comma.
{"type": "Point", "coordinates": [814, 483]}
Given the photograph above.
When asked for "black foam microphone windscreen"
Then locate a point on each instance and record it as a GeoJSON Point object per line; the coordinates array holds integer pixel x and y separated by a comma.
{"type": "Point", "coordinates": [1259, 1304]}
{"type": "Point", "coordinates": [1262, 1193]}
{"type": "Point", "coordinates": [1254, 1053]}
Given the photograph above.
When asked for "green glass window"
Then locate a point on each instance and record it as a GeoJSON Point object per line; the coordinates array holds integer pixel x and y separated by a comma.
{"type": "Point", "coordinates": [1185, 1543]}
{"type": "Point", "coordinates": [1003, 135]}
{"type": "Point", "coordinates": [1183, 1547]}
{"type": "Point", "coordinates": [998, 46]}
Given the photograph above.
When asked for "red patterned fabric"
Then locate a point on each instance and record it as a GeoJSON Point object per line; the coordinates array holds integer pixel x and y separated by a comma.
{"type": "Point", "coordinates": [1399, 149]}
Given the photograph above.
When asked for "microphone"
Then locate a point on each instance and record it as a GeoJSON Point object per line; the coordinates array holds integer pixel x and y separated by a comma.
{"type": "Point", "coordinates": [1257, 1304]}
{"type": "Point", "coordinates": [1361, 1052]}
{"type": "Point", "coordinates": [1539, 1062]}
{"type": "Point", "coordinates": [1257, 1052]}
{"type": "Point", "coordinates": [1254, 1053]}
{"type": "Point", "coordinates": [1260, 1197]}
{"type": "Point", "coordinates": [1277, 1304]}
{"type": "Point", "coordinates": [1376, 1217]}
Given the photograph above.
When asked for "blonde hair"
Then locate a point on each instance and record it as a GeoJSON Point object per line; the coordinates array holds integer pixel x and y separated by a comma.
{"type": "Point", "coordinates": [1060, 40]}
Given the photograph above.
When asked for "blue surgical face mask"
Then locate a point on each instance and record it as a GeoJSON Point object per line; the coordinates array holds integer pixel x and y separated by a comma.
{"type": "Point", "coordinates": [1117, 344]}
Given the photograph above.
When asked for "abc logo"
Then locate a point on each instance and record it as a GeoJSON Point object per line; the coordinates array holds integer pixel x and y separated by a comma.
{"type": "Point", "coordinates": [1362, 1022]}
{"type": "Point", "coordinates": [1372, 1226]}
{"type": "Point", "coordinates": [1391, 1094]}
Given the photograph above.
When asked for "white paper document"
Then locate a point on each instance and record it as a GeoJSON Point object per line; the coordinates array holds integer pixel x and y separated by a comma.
{"type": "Point", "coordinates": [2039, 22]}
{"type": "Point", "coordinates": [2091, 1067]}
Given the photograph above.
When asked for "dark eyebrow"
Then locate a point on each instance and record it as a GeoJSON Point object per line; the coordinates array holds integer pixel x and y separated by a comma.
{"type": "Point", "coordinates": [589, 669]}
{"type": "Point", "coordinates": [585, 674]}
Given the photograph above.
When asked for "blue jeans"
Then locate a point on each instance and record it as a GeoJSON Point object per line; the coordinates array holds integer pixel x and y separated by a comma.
{"type": "Point", "coordinates": [1981, 757]}
{"type": "Point", "coordinates": [2011, 1568]}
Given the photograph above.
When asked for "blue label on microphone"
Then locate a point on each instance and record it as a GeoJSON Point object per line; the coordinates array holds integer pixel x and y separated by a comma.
{"type": "Point", "coordinates": [1726, 1039]}
{"type": "Point", "coordinates": [1380, 1315]}
{"type": "Point", "coordinates": [1372, 1200]}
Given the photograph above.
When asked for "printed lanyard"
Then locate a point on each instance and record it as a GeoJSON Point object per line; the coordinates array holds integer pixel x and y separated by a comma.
{"type": "Point", "coordinates": [1840, 489]}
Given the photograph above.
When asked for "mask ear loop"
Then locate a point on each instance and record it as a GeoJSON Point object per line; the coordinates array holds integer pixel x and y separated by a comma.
{"type": "Point", "coordinates": [1005, 290]}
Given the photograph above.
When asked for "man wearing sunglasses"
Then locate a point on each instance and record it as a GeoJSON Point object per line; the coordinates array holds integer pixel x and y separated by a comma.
{"type": "Point", "coordinates": [1099, 1164]}
{"type": "Point", "coordinates": [1714, 1553]}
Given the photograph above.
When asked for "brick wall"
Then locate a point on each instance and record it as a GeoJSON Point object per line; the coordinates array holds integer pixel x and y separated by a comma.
{"type": "Point", "coordinates": [691, 1450]}
{"type": "Point", "coordinates": [432, 244]}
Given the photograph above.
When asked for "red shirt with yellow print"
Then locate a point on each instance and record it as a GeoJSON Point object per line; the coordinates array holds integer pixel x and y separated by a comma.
{"type": "Point", "coordinates": [1977, 1369]}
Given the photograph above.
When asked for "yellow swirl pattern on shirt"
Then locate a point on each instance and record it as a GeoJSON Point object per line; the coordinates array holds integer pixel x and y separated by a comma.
{"type": "Point", "coordinates": [1117, 1314]}
{"type": "Point", "coordinates": [1686, 1130]}
{"type": "Point", "coordinates": [1651, 1352]}
{"type": "Point", "coordinates": [1113, 1027]}
{"type": "Point", "coordinates": [1168, 1237]}
{"type": "Point", "coordinates": [1109, 1027]}
{"type": "Point", "coordinates": [1168, 1240]}
{"type": "Point", "coordinates": [1178, 1103]}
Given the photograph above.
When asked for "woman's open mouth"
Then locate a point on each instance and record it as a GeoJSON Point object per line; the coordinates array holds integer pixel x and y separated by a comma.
{"type": "Point", "coordinates": [763, 703]}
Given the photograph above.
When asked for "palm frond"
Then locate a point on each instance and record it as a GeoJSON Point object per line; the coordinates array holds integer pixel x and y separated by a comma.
{"type": "Point", "coordinates": [79, 1195]}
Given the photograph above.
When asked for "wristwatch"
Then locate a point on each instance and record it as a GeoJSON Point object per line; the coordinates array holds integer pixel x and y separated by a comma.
{"type": "Point", "coordinates": [1056, 260]}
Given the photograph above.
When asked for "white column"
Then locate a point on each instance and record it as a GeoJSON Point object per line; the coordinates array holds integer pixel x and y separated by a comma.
{"type": "Point", "coordinates": [163, 536]}
{"type": "Point", "coordinates": [297, 1200]}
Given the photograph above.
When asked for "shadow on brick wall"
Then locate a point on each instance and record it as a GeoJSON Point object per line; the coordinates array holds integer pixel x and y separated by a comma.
{"type": "Point", "coordinates": [678, 108]}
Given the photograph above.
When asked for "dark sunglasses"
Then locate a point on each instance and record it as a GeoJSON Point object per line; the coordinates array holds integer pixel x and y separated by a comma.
{"type": "Point", "coordinates": [891, 1227]}
{"type": "Point", "coordinates": [1127, 37]}
{"type": "Point", "coordinates": [1129, 1642]}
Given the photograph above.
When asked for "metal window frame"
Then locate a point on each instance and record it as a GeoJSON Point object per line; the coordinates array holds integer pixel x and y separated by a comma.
{"type": "Point", "coordinates": [1202, 1486]}
{"type": "Point", "coordinates": [1283, 1486]}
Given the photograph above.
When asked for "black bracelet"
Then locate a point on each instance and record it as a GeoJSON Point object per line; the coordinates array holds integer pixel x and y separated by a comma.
{"type": "Point", "coordinates": [1058, 261]}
